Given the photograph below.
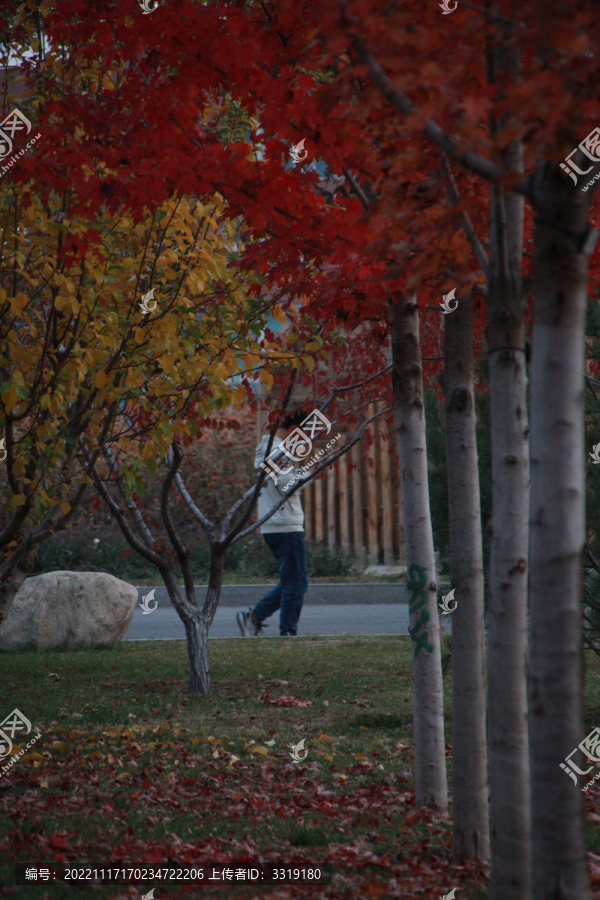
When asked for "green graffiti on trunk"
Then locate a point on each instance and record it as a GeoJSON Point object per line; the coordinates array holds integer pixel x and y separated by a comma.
{"type": "Point", "coordinates": [417, 601]}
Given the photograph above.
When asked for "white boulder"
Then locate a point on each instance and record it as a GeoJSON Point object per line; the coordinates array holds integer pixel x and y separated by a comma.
{"type": "Point", "coordinates": [69, 610]}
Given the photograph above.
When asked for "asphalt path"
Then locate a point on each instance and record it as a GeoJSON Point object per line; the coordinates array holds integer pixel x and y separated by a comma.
{"type": "Point", "coordinates": [317, 619]}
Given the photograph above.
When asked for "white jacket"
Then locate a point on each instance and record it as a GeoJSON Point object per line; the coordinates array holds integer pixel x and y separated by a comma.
{"type": "Point", "coordinates": [290, 517]}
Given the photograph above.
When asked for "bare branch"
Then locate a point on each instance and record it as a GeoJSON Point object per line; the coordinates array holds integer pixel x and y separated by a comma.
{"type": "Point", "coordinates": [117, 512]}
{"type": "Point", "coordinates": [351, 387]}
{"type": "Point", "coordinates": [129, 502]}
{"type": "Point", "coordinates": [467, 226]}
{"type": "Point", "coordinates": [206, 523]}
{"type": "Point", "coordinates": [182, 551]}
{"type": "Point", "coordinates": [357, 188]}
{"type": "Point", "coordinates": [494, 15]}
{"type": "Point", "coordinates": [469, 159]}
{"type": "Point", "coordinates": [331, 458]}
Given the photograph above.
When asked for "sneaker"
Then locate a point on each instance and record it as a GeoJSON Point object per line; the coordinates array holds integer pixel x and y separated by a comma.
{"type": "Point", "coordinates": [256, 625]}
{"type": "Point", "coordinates": [248, 623]}
{"type": "Point", "coordinates": [242, 620]}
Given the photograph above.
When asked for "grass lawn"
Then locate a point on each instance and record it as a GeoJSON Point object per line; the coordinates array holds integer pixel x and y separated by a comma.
{"type": "Point", "coordinates": [131, 770]}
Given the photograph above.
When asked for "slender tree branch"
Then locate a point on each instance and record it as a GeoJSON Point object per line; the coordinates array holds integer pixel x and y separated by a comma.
{"type": "Point", "coordinates": [494, 15]}
{"type": "Point", "coordinates": [206, 523]}
{"type": "Point", "coordinates": [331, 458]}
{"type": "Point", "coordinates": [467, 226]}
{"type": "Point", "coordinates": [129, 502]}
{"type": "Point", "coordinates": [182, 551]}
{"type": "Point", "coordinates": [357, 188]}
{"type": "Point", "coordinates": [467, 158]}
{"type": "Point", "coordinates": [118, 514]}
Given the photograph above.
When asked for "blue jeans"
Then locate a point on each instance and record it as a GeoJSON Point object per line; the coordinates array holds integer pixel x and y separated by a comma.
{"type": "Point", "coordinates": [289, 550]}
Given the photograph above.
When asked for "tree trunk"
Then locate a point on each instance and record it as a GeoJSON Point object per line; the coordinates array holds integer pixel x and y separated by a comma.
{"type": "Point", "coordinates": [196, 631]}
{"type": "Point", "coordinates": [428, 713]}
{"type": "Point", "coordinates": [14, 579]}
{"type": "Point", "coordinates": [470, 780]}
{"type": "Point", "coordinates": [507, 610]}
{"type": "Point", "coordinates": [557, 536]}
{"type": "Point", "coordinates": [215, 580]}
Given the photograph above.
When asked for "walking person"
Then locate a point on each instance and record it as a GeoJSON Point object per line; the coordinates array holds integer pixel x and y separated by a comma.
{"type": "Point", "coordinates": [284, 536]}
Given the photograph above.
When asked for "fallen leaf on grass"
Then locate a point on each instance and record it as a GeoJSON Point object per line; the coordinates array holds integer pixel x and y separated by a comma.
{"type": "Point", "coordinates": [284, 700]}
{"type": "Point", "coordinates": [258, 749]}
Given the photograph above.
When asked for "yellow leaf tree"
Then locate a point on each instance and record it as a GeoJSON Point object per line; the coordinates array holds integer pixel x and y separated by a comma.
{"type": "Point", "coordinates": [113, 334]}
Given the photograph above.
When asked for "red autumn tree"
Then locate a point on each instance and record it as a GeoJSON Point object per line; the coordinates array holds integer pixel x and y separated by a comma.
{"type": "Point", "coordinates": [379, 94]}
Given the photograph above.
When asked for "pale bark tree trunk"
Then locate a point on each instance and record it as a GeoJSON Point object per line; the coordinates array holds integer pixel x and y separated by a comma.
{"type": "Point", "coordinates": [507, 610]}
{"type": "Point", "coordinates": [470, 808]}
{"type": "Point", "coordinates": [196, 631]}
{"type": "Point", "coordinates": [558, 535]}
{"type": "Point", "coordinates": [428, 712]}
{"type": "Point", "coordinates": [197, 628]}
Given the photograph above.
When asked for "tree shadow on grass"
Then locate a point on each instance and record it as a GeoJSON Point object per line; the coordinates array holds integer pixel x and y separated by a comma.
{"type": "Point", "coordinates": [379, 722]}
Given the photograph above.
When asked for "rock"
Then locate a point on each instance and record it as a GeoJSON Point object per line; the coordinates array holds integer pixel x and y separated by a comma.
{"type": "Point", "coordinates": [70, 611]}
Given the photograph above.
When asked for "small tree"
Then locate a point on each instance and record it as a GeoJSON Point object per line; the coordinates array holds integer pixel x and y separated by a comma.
{"type": "Point", "coordinates": [76, 352]}
{"type": "Point", "coordinates": [169, 551]}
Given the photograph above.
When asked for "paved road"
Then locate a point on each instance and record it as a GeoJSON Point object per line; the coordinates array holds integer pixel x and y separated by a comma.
{"type": "Point", "coordinates": [241, 596]}
{"type": "Point", "coordinates": [321, 619]}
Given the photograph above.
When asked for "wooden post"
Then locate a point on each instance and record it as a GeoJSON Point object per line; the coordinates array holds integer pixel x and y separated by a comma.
{"type": "Point", "coordinates": [344, 504]}
{"type": "Point", "coordinates": [387, 497]}
{"type": "Point", "coordinates": [372, 507]}
{"type": "Point", "coordinates": [357, 511]}
{"type": "Point", "coordinates": [308, 503]}
{"type": "Point", "coordinates": [319, 484]}
{"type": "Point", "coordinates": [330, 491]}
